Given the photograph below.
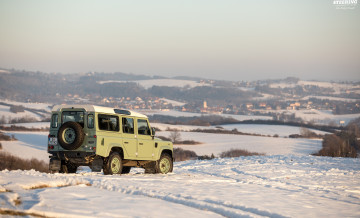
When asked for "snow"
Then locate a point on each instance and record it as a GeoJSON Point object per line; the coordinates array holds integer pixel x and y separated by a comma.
{"type": "Point", "coordinates": [269, 186]}
{"type": "Point", "coordinates": [280, 130]}
{"type": "Point", "coordinates": [174, 103]}
{"type": "Point", "coordinates": [190, 114]}
{"type": "Point", "coordinates": [37, 125]}
{"type": "Point", "coordinates": [331, 98]}
{"type": "Point", "coordinates": [29, 145]}
{"type": "Point", "coordinates": [262, 129]}
{"type": "Point", "coordinates": [287, 182]}
{"type": "Point", "coordinates": [5, 111]}
{"type": "Point", "coordinates": [160, 82]}
{"type": "Point", "coordinates": [217, 143]}
{"type": "Point", "coordinates": [35, 105]}
{"type": "Point", "coordinates": [323, 116]}
{"type": "Point", "coordinates": [338, 87]}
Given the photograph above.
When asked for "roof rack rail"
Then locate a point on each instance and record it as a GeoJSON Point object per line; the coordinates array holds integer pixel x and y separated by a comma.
{"type": "Point", "coordinates": [121, 111]}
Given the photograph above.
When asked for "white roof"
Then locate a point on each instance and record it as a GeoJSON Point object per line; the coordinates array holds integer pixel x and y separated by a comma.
{"type": "Point", "coordinates": [94, 108]}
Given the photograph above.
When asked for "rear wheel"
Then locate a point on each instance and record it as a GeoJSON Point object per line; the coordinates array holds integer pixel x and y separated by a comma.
{"type": "Point", "coordinates": [165, 164]}
{"type": "Point", "coordinates": [113, 164]}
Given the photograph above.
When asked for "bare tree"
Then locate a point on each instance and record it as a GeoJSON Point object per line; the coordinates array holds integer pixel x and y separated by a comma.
{"type": "Point", "coordinates": [175, 136]}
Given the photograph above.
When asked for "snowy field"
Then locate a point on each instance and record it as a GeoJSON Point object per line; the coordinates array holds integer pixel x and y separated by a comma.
{"type": "Point", "coordinates": [323, 117]}
{"type": "Point", "coordinates": [7, 114]}
{"type": "Point", "coordinates": [287, 182]}
{"type": "Point", "coordinates": [34, 144]}
{"type": "Point", "coordinates": [217, 143]}
{"type": "Point", "coordinates": [190, 114]}
{"type": "Point", "coordinates": [29, 145]}
{"type": "Point", "coordinates": [338, 87]}
{"type": "Point", "coordinates": [269, 186]}
{"type": "Point", "coordinates": [37, 125]}
{"type": "Point", "coordinates": [39, 106]}
{"type": "Point", "coordinates": [160, 82]}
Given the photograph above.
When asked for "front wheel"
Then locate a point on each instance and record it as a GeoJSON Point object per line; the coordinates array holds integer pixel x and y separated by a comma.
{"type": "Point", "coordinates": [114, 164]}
{"type": "Point", "coordinates": [165, 164]}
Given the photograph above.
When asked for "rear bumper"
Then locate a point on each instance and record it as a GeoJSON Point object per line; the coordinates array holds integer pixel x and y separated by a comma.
{"type": "Point", "coordinates": [76, 157]}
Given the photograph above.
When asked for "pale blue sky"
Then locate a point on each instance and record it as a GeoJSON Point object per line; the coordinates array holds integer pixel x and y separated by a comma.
{"type": "Point", "coordinates": [224, 39]}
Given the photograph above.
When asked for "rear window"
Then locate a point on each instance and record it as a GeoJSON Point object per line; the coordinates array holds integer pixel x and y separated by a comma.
{"type": "Point", "coordinates": [76, 116]}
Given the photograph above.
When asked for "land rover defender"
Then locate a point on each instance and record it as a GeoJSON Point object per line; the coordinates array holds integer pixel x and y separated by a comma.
{"type": "Point", "coordinates": [108, 139]}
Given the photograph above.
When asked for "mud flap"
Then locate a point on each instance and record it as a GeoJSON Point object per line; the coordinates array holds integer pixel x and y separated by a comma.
{"type": "Point", "coordinates": [54, 165]}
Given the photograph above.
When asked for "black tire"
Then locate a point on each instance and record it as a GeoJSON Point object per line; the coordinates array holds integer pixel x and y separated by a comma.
{"type": "Point", "coordinates": [113, 164]}
{"type": "Point", "coordinates": [125, 170]}
{"type": "Point", "coordinates": [71, 135]}
{"type": "Point", "coordinates": [165, 164]}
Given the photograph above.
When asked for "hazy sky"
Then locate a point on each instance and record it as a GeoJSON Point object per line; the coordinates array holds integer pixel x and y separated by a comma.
{"type": "Point", "coordinates": [224, 39]}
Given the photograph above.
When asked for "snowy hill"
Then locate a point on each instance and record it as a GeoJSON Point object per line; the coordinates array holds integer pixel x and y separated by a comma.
{"type": "Point", "coordinates": [270, 186]}
{"type": "Point", "coordinates": [35, 143]}
{"type": "Point", "coordinates": [285, 183]}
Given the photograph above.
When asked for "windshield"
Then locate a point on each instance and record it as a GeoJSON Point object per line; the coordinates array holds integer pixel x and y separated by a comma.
{"type": "Point", "coordinates": [76, 116]}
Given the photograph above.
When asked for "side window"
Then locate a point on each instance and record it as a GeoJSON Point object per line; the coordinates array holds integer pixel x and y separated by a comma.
{"type": "Point", "coordinates": [128, 125]}
{"type": "Point", "coordinates": [108, 123]}
{"type": "Point", "coordinates": [90, 121]}
{"type": "Point", "coordinates": [54, 121]}
{"type": "Point", "coordinates": [143, 127]}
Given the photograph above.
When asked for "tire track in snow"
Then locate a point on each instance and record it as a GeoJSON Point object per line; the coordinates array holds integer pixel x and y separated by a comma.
{"type": "Point", "coordinates": [218, 207]}
{"type": "Point", "coordinates": [301, 187]}
{"type": "Point", "coordinates": [269, 183]}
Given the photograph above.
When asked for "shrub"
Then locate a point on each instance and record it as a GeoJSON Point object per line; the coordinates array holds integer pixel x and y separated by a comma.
{"type": "Point", "coordinates": [185, 142]}
{"type": "Point", "coordinates": [11, 162]}
{"type": "Point", "coordinates": [206, 157]}
{"type": "Point", "coordinates": [4, 137]}
{"type": "Point", "coordinates": [164, 138]}
{"type": "Point", "coordinates": [17, 108]}
{"type": "Point", "coordinates": [239, 152]}
{"type": "Point", "coordinates": [23, 128]}
{"type": "Point", "coordinates": [334, 146]}
{"type": "Point", "coordinates": [25, 119]}
{"type": "Point", "coordinates": [182, 155]}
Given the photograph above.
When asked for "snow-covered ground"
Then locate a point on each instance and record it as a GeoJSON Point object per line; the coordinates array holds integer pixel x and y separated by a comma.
{"type": "Point", "coordinates": [37, 125]}
{"type": "Point", "coordinates": [338, 87]}
{"type": "Point", "coordinates": [331, 98]}
{"type": "Point", "coordinates": [8, 115]}
{"type": "Point", "coordinates": [39, 106]}
{"type": "Point", "coordinates": [270, 186]}
{"type": "Point", "coordinates": [29, 145]}
{"type": "Point", "coordinates": [217, 143]}
{"type": "Point", "coordinates": [287, 182]}
{"type": "Point", "coordinates": [160, 82]}
{"type": "Point", "coordinates": [322, 116]}
{"type": "Point", "coordinates": [190, 114]}
{"type": "Point", "coordinates": [34, 144]}
{"type": "Point", "coordinates": [280, 130]}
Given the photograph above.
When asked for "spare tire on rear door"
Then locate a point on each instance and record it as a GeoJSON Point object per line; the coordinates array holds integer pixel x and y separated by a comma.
{"type": "Point", "coordinates": [71, 135]}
